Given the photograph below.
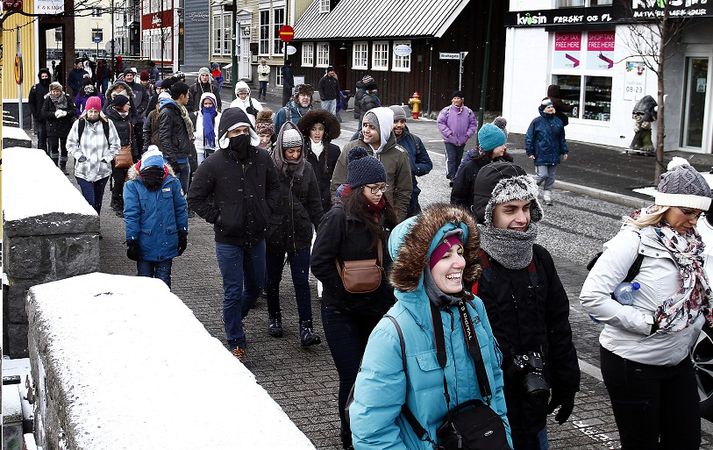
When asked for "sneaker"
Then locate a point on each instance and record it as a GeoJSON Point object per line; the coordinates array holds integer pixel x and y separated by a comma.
{"type": "Point", "coordinates": [274, 325]}
{"type": "Point", "coordinates": [547, 196]}
{"type": "Point", "coordinates": [307, 335]}
{"type": "Point", "coordinates": [239, 353]}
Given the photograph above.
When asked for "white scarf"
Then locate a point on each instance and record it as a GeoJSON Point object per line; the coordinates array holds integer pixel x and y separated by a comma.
{"type": "Point", "coordinates": [316, 147]}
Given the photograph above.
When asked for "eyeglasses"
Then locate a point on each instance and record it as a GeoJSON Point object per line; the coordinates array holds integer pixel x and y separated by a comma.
{"type": "Point", "coordinates": [376, 189]}
{"type": "Point", "coordinates": [690, 212]}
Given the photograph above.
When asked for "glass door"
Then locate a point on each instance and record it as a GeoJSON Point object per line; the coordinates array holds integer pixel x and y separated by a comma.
{"type": "Point", "coordinates": [694, 107]}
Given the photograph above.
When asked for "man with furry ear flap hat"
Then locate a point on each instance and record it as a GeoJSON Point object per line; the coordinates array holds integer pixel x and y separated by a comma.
{"type": "Point", "coordinates": [237, 190]}
{"type": "Point", "coordinates": [526, 303]}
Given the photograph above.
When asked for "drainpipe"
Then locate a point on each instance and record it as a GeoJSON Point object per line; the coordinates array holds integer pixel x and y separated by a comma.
{"type": "Point", "coordinates": [486, 66]}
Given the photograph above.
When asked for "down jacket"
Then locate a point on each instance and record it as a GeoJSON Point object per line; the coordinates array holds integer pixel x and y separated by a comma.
{"type": "Point", "coordinates": [545, 139]}
{"type": "Point", "coordinates": [175, 140]}
{"type": "Point", "coordinates": [155, 218]}
{"type": "Point", "coordinates": [381, 386]}
{"type": "Point", "coordinates": [57, 127]}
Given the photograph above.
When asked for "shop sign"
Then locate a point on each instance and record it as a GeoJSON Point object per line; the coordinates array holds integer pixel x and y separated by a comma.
{"type": "Point", "coordinates": [600, 50]}
{"type": "Point", "coordinates": [568, 48]}
{"type": "Point", "coordinates": [634, 81]}
{"type": "Point", "coordinates": [561, 16]}
{"type": "Point", "coordinates": [49, 6]}
{"type": "Point", "coordinates": [649, 9]}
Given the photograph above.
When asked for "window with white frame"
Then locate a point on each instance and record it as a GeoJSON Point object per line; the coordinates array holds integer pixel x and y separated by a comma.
{"type": "Point", "coordinates": [146, 43]}
{"type": "Point", "coordinates": [360, 56]}
{"type": "Point", "coordinates": [264, 42]}
{"type": "Point", "coordinates": [308, 54]}
{"type": "Point", "coordinates": [278, 20]}
{"type": "Point", "coordinates": [278, 77]}
{"type": "Point", "coordinates": [401, 63]}
{"type": "Point", "coordinates": [155, 6]}
{"type": "Point", "coordinates": [227, 33]}
{"type": "Point", "coordinates": [145, 6]}
{"type": "Point", "coordinates": [323, 6]}
{"type": "Point", "coordinates": [217, 34]}
{"type": "Point", "coordinates": [322, 54]}
{"type": "Point", "coordinates": [380, 56]}
{"type": "Point", "coordinates": [222, 33]}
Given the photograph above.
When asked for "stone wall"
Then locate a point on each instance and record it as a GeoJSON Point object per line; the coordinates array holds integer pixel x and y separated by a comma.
{"type": "Point", "coordinates": [50, 233]}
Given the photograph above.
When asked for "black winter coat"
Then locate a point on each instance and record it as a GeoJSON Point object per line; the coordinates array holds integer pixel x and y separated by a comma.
{"type": "Point", "coordinates": [57, 127]}
{"type": "Point", "coordinates": [462, 192]}
{"type": "Point", "coordinates": [369, 101]}
{"type": "Point", "coordinates": [323, 168]}
{"type": "Point", "coordinates": [124, 129]}
{"type": "Point", "coordinates": [244, 196]}
{"type": "Point", "coordinates": [526, 319]}
{"type": "Point", "coordinates": [36, 99]}
{"type": "Point", "coordinates": [345, 238]}
{"type": "Point", "coordinates": [175, 141]}
{"type": "Point", "coordinates": [198, 89]}
{"type": "Point", "coordinates": [358, 95]}
{"type": "Point", "coordinates": [141, 101]}
{"type": "Point", "coordinates": [328, 88]}
{"type": "Point", "coordinates": [299, 208]}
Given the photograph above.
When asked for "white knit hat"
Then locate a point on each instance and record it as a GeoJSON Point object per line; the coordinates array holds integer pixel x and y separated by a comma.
{"type": "Point", "coordinates": [683, 186]}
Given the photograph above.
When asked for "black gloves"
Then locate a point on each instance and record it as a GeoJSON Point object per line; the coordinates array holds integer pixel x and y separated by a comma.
{"type": "Point", "coordinates": [565, 401]}
{"type": "Point", "coordinates": [132, 250]}
{"type": "Point", "coordinates": [182, 241]}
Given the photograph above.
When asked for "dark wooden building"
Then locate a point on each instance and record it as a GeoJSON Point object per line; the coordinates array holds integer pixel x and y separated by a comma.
{"type": "Point", "coordinates": [361, 37]}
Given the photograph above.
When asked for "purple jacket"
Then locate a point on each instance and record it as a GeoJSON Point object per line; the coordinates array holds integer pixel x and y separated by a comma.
{"type": "Point", "coordinates": [455, 126]}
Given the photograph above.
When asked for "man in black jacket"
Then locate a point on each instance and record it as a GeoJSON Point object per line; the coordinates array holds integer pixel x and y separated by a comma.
{"type": "Point", "coordinates": [75, 77]}
{"type": "Point", "coordinates": [329, 90]}
{"type": "Point", "coordinates": [35, 99]}
{"type": "Point", "coordinates": [175, 131]}
{"type": "Point", "coordinates": [141, 102]}
{"type": "Point", "coordinates": [237, 189]}
{"type": "Point", "coordinates": [526, 304]}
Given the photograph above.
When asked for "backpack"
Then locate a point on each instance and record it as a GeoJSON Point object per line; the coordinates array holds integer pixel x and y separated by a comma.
{"type": "Point", "coordinates": [633, 270]}
{"type": "Point", "coordinates": [82, 124]}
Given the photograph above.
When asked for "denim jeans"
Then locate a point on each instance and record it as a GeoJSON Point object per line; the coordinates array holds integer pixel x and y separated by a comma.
{"type": "Point", "coordinates": [545, 175]}
{"type": "Point", "coordinates": [454, 153]}
{"type": "Point", "coordinates": [155, 269]}
{"type": "Point", "coordinates": [330, 105]}
{"type": "Point", "coordinates": [346, 334]}
{"type": "Point", "coordinates": [184, 177]}
{"type": "Point", "coordinates": [93, 191]}
{"type": "Point", "coordinates": [531, 441]}
{"type": "Point", "coordinates": [299, 268]}
{"type": "Point", "coordinates": [237, 266]}
{"type": "Point", "coordinates": [263, 89]}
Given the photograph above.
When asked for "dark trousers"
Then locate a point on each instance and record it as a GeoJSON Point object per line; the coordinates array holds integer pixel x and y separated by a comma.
{"type": "Point", "coordinates": [41, 130]}
{"type": "Point", "coordinates": [286, 95]}
{"type": "Point", "coordinates": [57, 150]}
{"type": "Point", "coordinates": [454, 153]}
{"type": "Point", "coordinates": [299, 268]}
{"type": "Point", "coordinates": [118, 176]}
{"type": "Point", "coordinates": [139, 144]}
{"type": "Point", "coordinates": [155, 269]}
{"type": "Point", "coordinates": [347, 334]}
{"type": "Point", "coordinates": [263, 90]}
{"type": "Point", "coordinates": [414, 208]}
{"type": "Point", "coordinates": [655, 407]}
{"type": "Point", "coordinates": [93, 191]}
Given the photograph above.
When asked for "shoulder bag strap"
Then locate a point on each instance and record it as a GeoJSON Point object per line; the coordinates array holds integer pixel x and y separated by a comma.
{"type": "Point", "coordinates": [441, 354]}
{"type": "Point", "coordinates": [471, 340]}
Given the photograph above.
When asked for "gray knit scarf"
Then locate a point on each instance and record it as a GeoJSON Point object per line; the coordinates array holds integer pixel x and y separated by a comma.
{"type": "Point", "coordinates": [60, 102]}
{"type": "Point", "coordinates": [512, 249]}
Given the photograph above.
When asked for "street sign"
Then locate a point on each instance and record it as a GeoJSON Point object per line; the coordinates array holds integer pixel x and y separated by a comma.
{"type": "Point", "coordinates": [286, 33]}
{"type": "Point", "coordinates": [291, 50]}
{"type": "Point", "coordinates": [18, 68]}
{"type": "Point", "coordinates": [444, 55]}
{"type": "Point", "coordinates": [97, 39]}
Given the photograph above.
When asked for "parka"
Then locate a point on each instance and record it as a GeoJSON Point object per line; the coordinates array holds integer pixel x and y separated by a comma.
{"type": "Point", "coordinates": [57, 127]}
{"type": "Point", "coordinates": [124, 129]}
{"type": "Point", "coordinates": [545, 139]}
{"type": "Point", "coordinates": [199, 123]}
{"type": "Point", "coordinates": [421, 163]}
{"type": "Point", "coordinates": [381, 386]}
{"type": "Point", "coordinates": [174, 137]}
{"type": "Point", "coordinates": [36, 97]}
{"type": "Point", "coordinates": [196, 91]}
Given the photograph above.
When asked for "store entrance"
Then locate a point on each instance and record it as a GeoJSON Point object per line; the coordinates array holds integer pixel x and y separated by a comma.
{"type": "Point", "coordinates": [693, 129]}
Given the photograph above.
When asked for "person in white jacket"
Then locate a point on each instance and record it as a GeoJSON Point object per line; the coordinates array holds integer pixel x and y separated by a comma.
{"type": "Point", "coordinates": [207, 120]}
{"type": "Point", "coordinates": [263, 77]}
{"type": "Point", "coordinates": [645, 346]}
{"type": "Point", "coordinates": [245, 101]}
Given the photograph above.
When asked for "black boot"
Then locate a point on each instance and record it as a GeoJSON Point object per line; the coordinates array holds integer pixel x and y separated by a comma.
{"type": "Point", "coordinates": [307, 335]}
{"type": "Point", "coordinates": [274, 325]}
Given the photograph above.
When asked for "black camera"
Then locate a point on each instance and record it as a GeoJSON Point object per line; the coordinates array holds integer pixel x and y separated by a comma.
{"type": "Point", "coordinates": [529, 367]}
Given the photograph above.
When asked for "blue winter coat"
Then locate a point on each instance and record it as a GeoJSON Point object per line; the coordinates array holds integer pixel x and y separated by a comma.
{"type": "Point", "coordinates": [545, 139]}
{"type": "Point", "coordinates": [417, 155]}
{"type": "Point", "coordinates": [155, 218]}
{"type": "Point", "coordinates": [381, 388]}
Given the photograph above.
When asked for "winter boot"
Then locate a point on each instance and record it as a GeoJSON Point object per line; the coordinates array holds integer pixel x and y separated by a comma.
{"type": "Point", "coordinates": [547, 196]}
{"type": "Point", "coordinates": [307, 335]}
{"type": "Point", "coordinates": [274, 325]}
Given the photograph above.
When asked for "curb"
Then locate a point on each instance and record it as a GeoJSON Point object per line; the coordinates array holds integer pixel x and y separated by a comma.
{"type": "Point", "coordinates": [600, 194]}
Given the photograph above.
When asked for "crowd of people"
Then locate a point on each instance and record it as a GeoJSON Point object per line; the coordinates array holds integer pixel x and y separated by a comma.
{"type": "Point", "coordinates": [433, 318]}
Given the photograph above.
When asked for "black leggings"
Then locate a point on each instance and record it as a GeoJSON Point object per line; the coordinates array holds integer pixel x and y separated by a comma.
{"type": "Point", "coordinates": [652, 403]}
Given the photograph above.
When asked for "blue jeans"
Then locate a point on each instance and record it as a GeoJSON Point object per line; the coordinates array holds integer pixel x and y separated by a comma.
{"type": "Point", "coordinates": [155, 269]}
{"type": "Point", "coordinates": [545, 175]}
{"type": "Point", "coordinates": [184, 177]}
{"type": "Point", "coordinates": [330, 105]}
{"type": "Point", "coordinates": [93, 191]}
{"type": "Point", "coordinates": [239, 265]}
{"type": "Point", "coordinates": [299, 268]}
{"type": "Point", "coordinates": [454, 153]}
{"type": "Point", "coordinates": [263, 89]}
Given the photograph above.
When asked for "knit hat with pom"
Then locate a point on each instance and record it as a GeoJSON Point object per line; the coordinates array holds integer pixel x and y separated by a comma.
{"type": "Point", "coordinates": [683, 186]}
{"type": "Point", "coordinates": [364, 169]}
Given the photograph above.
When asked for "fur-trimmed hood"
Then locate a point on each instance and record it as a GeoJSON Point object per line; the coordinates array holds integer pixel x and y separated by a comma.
{"type": "Point", "coordinates": [411, 256]}
{"type": "Point", "coordinates": [332, 129]}
{"type": "Point", "coordinates": [134, 171]}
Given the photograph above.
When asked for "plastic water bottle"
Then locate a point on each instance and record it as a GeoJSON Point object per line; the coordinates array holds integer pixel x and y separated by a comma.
{"type": "Point", "coordinates": [625, 292]}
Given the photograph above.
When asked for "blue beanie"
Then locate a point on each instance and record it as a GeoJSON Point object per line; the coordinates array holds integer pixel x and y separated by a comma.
{"type": "Point", "coordinates": [490, 137]}
{"type": "Point", "coordinates": [364, 169]}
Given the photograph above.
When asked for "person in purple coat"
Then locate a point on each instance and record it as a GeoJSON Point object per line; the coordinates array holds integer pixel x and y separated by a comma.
{"type": "Point", "coordinates": [457, 124]}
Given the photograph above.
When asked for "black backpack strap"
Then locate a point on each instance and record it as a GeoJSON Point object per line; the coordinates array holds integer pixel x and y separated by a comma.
{"type": "Point", "coordinates": [105, 125]}
{"type": "Point", "coordinates": [80, 131]}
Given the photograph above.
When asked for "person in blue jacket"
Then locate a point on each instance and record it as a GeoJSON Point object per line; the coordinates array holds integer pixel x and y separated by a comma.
{"type": "Point", "coordinates": [423, 275]}
{"type": "Point", "coordinates": [155, 216]}
{"type": "Point", "coordinates": [546, 145]}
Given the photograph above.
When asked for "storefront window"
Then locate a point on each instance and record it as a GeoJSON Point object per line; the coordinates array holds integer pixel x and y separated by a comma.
{"type": "Point", "coordinates": [597, 98]}
{"type": "Point", "coordinates": [570, 91]}
{"type": "Point", "coordinates": [695, 101]}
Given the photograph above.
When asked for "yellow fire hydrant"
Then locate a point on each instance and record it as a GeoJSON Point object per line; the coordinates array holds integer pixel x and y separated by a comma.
{"type": "Point", "coordinates": [415, 104]}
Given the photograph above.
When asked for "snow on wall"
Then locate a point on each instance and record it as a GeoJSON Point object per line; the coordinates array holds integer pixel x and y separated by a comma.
{"type": "Point", "coordinates": [36, 187]}
{"type": "Point", "coordinates": [135, 369]}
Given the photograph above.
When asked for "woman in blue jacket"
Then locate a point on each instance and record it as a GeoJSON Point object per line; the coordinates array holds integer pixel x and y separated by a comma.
{"type": "Point", "coordinates": [155, 215]}
{"type": "Point", "coordinates": [424, 276]}
{"type": "Point", "coordinates": [546, 145]}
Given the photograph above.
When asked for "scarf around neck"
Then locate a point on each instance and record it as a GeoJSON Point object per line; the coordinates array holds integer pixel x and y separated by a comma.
{"type": "Point", "coordinates": [693, 298]}
{"type": "Point", "coordinates": [512, 249]}
{"type": "Point", "coordinates": [435, 295]}
{"type": "Point", "coordinates": [60, 101]}
{"type": "Point", "coordinates": [208, 123]}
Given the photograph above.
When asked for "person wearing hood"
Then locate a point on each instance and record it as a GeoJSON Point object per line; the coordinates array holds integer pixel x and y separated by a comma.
{"type": "Point", "coordinates": [76, 77]}
{"type": "Point", "coordinates": [153, 200]}
{"type": "Point", "coordinates": [417, 155]}
{"type": "Point", "coordinates": [378, 138]}
{"type": "Point", "coordinates": [293, 111]}
{"type": "Point", "coordinates": [237, 190]}
{"type": "Point", "coordinates": [645, 345]}
{"type": "Point", "coordinates": [435, 259]}
{"type": "Point", "coordinates": [265, 130]}
{"type": "Point", "coordinates": [561, 108]}
{"type": "Point", "coordinates": [58, 113]}
{"type": "Point", "coordinates": [88, 90]}
{"type": "Point", "coordinates": [319, 129]}
{"type": "Point", "coordinates": [93, 142]}
{"type": "Point", "coordinates": [175, 130]}
{"type": "Point", "coordinates": [526, 303]}
{"type": "Point", "coordinates": [119, 88]}
{"type": "Point", "coordinates": [207, 120]}
{"type": "Point", "coordinates": [203, 85]}
{"type": "Point", "coordinates": [545, 144]}
{"type": "Point", "coordinates": [35, 99]}
{"type": "Point", "coordinates": [491, 147]}
{"type": "Point", "coordinates": [244, 101]}
{"type": "Point", "coordinates": [356, 228]}
{"type": "Point", "coordinates": [290, 232]}
{"type": "Point", "coordinates": [457, 124]}
{"type": "Point", "coordinates": [118, 112]}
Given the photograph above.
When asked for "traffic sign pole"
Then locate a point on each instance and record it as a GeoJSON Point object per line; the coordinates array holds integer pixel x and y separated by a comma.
{"type": "Point", "coordinates": [18, 79]}
{"type": "Point", "coordinates": [286, 34]}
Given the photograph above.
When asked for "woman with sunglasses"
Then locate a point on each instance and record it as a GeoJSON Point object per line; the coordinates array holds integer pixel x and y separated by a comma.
{"type": "Point", "coordinates": [645, 346]}
{"type": "Point", "coordinates": [356, 226]}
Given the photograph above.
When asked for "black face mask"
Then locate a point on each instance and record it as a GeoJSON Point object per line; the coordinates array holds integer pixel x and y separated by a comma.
{"type": "Point", "coordinates": [152, 178]}
{"type": "Point", "coordinates": [240, 146]}
{"type": "Point", "coordinates": [45, 81]}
